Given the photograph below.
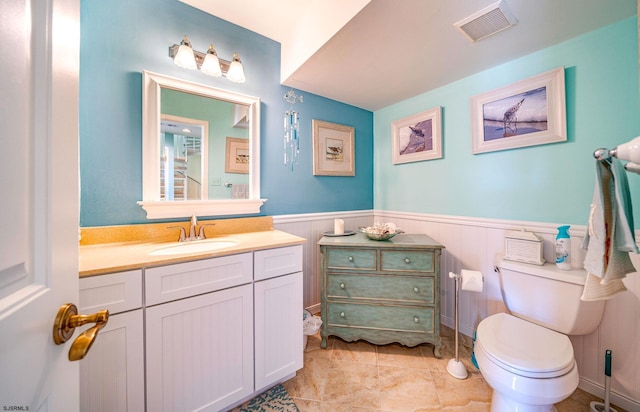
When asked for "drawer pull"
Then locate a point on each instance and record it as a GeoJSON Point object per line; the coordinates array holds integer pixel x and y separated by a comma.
{"type": "Point", "coordinates": [342, 286]}
{"type": "Point", "coordinates": [342, 314]}
{"type": "Point", "coordinates": [416, 319]}
{"type": "Point", "coordinates": [350, 258]}
{"type": "Point", "coordinates": [407, 260]}
{"type": "Point", "coordinates": [416, 289]}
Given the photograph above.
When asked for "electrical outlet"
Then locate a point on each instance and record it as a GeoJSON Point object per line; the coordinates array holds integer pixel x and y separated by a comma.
{"type": "Point", "coordinates": [216, 181]}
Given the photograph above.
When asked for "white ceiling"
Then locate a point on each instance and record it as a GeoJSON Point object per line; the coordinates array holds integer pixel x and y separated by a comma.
{"type": "Point", "coordinates": [379, 52]}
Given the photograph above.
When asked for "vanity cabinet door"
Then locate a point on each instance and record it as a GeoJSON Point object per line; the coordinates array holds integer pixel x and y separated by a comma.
{"type": "Point", "coordinates": [200, 351]}
{"type": "Point", "coordinates": [112, 373]}
{"type": "Point", "coordinates": [278, 328]}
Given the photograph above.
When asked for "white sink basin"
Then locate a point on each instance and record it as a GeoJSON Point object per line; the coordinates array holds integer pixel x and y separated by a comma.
{"type": "Point", "coordinates": [194, 247]}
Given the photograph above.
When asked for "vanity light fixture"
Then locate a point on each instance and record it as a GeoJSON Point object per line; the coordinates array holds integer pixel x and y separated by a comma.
{"type": "Point", "coordinates": [209, 63]}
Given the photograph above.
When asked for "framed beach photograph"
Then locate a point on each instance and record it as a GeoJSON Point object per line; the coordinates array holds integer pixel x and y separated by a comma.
{"type": "Point", "coordinates": [418, 137]}
{"type": "Point", "coordinates": [237, 155]}
{"type": "Point", "coordinates": [526, 113]}
{"type": "Point", "coordinates": [333, 149]}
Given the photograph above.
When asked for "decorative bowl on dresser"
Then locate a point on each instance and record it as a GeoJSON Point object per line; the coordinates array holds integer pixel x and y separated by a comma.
{"type": "Point", "coordinates": [381, 291]}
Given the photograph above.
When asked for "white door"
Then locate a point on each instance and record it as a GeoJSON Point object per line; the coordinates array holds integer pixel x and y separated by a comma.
{"type": "Point", "coordinates": [39, 200]}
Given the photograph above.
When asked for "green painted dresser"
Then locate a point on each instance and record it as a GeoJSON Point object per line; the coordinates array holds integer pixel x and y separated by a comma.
{"type": "Point", "coordinates": [381, 291]}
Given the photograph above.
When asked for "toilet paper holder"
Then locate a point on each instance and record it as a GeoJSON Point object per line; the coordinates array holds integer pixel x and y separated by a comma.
{"type": "Point", "coordinates": [455, 367]}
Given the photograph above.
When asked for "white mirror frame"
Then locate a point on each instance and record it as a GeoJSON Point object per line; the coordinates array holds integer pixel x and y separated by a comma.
{"type": "Point", "coordinates": [151, 203]}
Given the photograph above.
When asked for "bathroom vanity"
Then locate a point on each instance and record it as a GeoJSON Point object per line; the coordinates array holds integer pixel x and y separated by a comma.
{"type": "Point", "coordinates": [199, 332]}
{"type": "Point", "coordinates": [381, 291]}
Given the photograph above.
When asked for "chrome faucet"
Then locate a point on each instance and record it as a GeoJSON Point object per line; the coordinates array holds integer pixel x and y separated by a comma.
{"type": "Point", "coordinates": [194, 234]}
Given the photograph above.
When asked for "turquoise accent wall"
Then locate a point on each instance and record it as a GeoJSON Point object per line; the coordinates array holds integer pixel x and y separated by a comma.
{"type": "Point", "coordinates": [121, 38]}
{"type": "Point", "coordinates": [550, 183]}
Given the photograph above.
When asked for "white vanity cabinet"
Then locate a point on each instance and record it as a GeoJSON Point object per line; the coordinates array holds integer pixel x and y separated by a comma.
{"type": "Point", "coordinates": [278, 314]}
{"type": "Point", "coordinates": [199, 335]}
{"type": "Point", "coordinates": [112, 373]}
{"type": "Point", "coordinates": [199, 348]}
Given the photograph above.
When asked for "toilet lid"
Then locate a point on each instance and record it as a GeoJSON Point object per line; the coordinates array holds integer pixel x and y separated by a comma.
{"type": "Point", "coordinates": [525, 348]}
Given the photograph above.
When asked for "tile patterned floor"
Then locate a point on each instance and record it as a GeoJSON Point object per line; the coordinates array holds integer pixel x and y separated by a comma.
{"type": "Point", "coordinates": [360, 377]}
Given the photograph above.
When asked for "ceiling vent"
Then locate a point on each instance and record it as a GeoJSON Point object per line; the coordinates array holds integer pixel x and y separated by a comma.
{"type": "Point", "coordinates": [487, 21]}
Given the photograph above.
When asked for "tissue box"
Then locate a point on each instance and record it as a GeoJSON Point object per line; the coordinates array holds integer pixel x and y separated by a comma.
{"type": "Point", "coordinates": [523, 246]}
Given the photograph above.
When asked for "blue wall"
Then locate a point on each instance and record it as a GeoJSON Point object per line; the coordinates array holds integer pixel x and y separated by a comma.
{"type": "Point", "coordinates": [549, 183]}
{"type": "Point", "coordinates": [121, 38]}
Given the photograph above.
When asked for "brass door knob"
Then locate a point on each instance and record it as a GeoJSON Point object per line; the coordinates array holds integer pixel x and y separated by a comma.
{"type": "Point", "coordinates": [67, 320]}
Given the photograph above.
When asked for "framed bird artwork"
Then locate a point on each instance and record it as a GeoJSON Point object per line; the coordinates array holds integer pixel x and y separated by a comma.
{"type": "Point", "coordinates": [526, 113]}
{"type": "Point", "coordinates": [417, 137]}
{"type": "Point", "coordinates": [333, 149]}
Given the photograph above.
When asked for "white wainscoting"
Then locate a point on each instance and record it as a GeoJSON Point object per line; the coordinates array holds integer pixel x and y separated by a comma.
{"type": "Point", "coordinates": [473, 243]}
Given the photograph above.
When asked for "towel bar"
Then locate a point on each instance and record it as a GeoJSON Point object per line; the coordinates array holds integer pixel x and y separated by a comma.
{"type": "Point", "coordinates": [629, 151]}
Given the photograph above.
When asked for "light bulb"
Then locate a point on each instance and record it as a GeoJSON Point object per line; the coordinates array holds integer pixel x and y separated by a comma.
{"type": "Point", "coordinates": [236, 72]}
{"type": "Point", "coordinates": [185, 58]}
{"type": "Point", "coordinates": [211, 64]}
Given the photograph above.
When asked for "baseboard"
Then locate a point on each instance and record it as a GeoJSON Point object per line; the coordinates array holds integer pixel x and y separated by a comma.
{"type": "Point", "coordinates": [614, 398]}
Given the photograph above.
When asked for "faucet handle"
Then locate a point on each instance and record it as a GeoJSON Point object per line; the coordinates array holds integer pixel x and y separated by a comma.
{"type": "Point", "coordinates": [201, 234]}
{"type": "Point", "coordinates": [183, 233]}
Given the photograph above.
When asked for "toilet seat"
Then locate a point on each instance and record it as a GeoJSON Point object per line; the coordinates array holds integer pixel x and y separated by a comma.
{"type": "Point", "coordinates": [524, 348]}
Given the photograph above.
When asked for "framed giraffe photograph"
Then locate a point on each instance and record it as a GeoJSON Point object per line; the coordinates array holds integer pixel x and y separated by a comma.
{"type": "Point", "coordinates": [333, 149]}
{"type": "Point", "coordinates": [526, 113]}
{"type": "Point", "coordinates": [417, 137]}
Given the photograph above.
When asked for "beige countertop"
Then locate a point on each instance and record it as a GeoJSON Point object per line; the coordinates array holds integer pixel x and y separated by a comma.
{"type": "Point", "coordinates": [116, 256]}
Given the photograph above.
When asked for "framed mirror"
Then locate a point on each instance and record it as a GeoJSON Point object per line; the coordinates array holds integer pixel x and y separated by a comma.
{"type": "Point", "coordinates": [200, 150]}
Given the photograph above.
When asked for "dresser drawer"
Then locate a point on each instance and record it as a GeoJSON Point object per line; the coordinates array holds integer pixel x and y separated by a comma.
{"type": "Point", "coordinates": [407, 260]}
{"type": "Point", "coordinates": [397, 318]}
{"type": "Point", "coordinates": [396, 288]}
{"type": "Point", "coordinates": [364, 259]}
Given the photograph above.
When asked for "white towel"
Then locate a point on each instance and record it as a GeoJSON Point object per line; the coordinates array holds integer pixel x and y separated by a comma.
{"type": "Point", "coordinates": [611, 236]}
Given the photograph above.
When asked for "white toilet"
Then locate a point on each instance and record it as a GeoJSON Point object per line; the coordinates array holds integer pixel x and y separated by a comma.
{"type": "Point", "coordinates": [526, 355]}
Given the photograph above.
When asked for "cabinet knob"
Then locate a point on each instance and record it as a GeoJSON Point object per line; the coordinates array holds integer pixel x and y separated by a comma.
{"type": "Point", "coordinates": [350, 258]}
{"type": "Point", "coordinates": [342, 286]}
{"type": "Point", "coordinates": [342, 314]}
{"type": "Point", "coordinates": [407, 260]}
{"type": "Point", "coordinates": [416, 319]}
{"type": "Point", "coordinates": [416, 289]}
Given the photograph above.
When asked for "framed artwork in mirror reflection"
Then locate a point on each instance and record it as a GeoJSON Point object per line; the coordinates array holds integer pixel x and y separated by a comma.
{"type": "Point", "coordinates": [237, 155]}
{"type": "Point", "coordinates": [417, 137]}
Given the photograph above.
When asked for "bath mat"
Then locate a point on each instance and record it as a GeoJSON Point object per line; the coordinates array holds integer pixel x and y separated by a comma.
{"type": "Point", "coordinates": [275, 399]}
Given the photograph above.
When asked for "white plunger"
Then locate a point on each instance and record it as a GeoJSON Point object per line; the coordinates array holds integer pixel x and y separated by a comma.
{"type": "Point", "coordinates": [599, 406]}
{"type": "Point", "coordinates": [455, 367]}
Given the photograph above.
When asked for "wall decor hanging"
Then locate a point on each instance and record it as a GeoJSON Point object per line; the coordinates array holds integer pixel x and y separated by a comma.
{"type": "Point", "coordinates": [292, 130]}
{"type": "Point", "coordinates": [333, 149]}
{"type": "Point", "coordinates": [417, 137]}
{"type": "Point", "coordinates": [526, 113]}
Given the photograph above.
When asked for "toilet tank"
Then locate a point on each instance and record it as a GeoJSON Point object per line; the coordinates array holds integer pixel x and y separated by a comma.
{"type": "Point", "coordinates": [549, 297]}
